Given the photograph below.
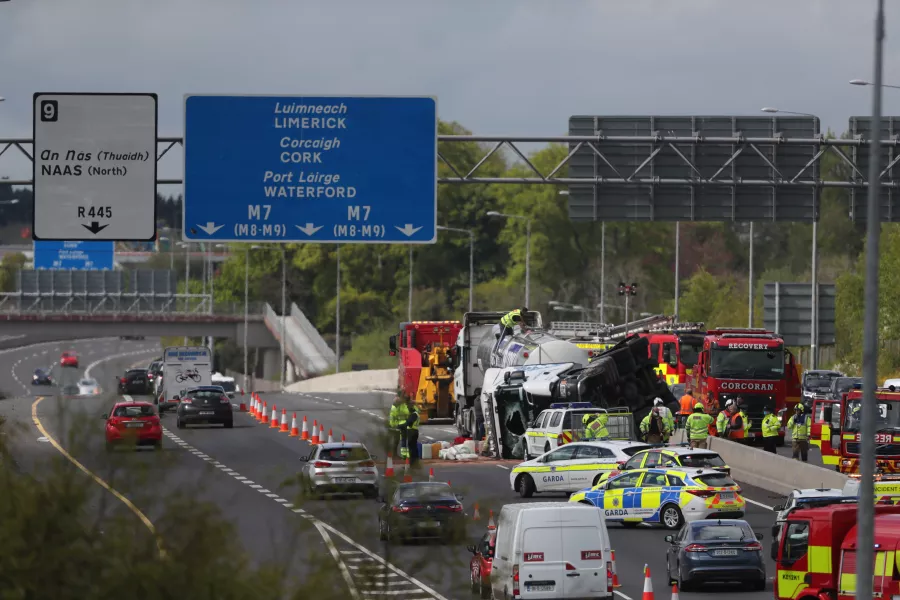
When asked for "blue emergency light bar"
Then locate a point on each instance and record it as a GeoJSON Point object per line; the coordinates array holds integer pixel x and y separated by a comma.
{"type": "Point", "coordinates": [572, 405]}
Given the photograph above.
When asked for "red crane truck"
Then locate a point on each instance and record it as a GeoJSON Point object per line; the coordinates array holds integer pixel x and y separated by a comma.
{"type": "Point", "coordinates": [427, 361]}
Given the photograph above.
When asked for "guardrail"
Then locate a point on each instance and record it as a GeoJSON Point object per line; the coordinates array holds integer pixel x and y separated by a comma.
{"type": "Point", "coordinates": [188, 306]}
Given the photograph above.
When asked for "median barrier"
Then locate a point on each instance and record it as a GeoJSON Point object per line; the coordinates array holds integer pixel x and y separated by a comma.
{"type": "Point", "coordinates": [773, 472]}
{"type": "Point", "coordinates": [352, 381]}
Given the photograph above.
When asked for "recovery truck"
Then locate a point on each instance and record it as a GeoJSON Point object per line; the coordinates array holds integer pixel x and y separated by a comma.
{"type": "Point", "coordinates": [426, 352]}
{"type": "Point", "coordinates": [817, 554]}
{"type": "Point", "coordinates": [674, 346]}
{"type": "Point", "coordinates": [752, 364]}
{"type": "Point", "coordinates": [843, 446]}
{"type": "Point", "coordinates": [621, 378]}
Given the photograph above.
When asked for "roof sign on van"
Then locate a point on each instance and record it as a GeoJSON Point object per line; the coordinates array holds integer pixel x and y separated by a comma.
{"type": "Point", "coordinates": [534, 557]}
{"type": "Point", "coordinates": [591, 555]}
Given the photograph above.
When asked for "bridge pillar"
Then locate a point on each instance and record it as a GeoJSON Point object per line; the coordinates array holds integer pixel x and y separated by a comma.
{"type": "Point", "coordinates": [270, 360]}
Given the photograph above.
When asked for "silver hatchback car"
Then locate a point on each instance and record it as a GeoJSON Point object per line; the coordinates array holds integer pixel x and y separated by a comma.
{"type": "Point", "coordinates": [340, 468]}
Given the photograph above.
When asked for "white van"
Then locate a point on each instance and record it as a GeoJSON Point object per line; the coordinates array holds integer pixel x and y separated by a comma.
{"type": "Point", "coordinates": [551, 550]}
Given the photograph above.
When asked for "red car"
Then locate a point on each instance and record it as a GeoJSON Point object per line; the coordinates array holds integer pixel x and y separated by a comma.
{"type": "Point", "coordinates": [133, 422]}
{"type": "Point", "coordinates": [68, 359]}
{"type": "Point", "coordinates": [480, 565]}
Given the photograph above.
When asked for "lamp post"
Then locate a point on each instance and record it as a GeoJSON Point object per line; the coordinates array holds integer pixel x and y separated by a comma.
{"type": "Point", "coordinates": [471, 258]}
{"type": "Point", "coordinates": [494, 213]}
{"type": "Point", "coordinates": [864, 82]}
{"type": "Point", "coordinates": [163, 238]}
{"type": "Point", "coordinates": [628, 291]}
{"type": "Point", "coordinates": [247, 309]}
{"type": "Point", "coordinates": [283, 309]}
{"type": "Point", "coordinates": [337, 313]}
{"type": "Point", "coordinates": [409, 305]}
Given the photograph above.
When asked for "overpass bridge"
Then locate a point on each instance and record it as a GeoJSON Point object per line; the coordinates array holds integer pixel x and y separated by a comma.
{"type": "Point", "coordinates": [72, 304]}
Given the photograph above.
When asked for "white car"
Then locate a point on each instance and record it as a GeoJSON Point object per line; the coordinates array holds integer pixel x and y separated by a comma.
{"type": "Point", "coordinates": [88, 387]}
{"type": "Point", "coordinates": [227, 383]}
{"type": "Point", "coordinates": [571, 467]}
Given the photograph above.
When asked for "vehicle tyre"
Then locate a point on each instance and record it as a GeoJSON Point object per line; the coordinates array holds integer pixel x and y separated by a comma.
{"type": "Point", "coordinates": [179, 423]}
{"type": "Point", "coordinates": [780, 443]}
{"type": "Point", "coordinates": [547, 447]}
{"type": "Point", "coordinates": [684, 585]}
{"type": "Point", "coordinates": [372, 493]}
{"type": "Point", "coordinates": [585, 502]}
{"type": "Point", "coordinates": [483, 592]}
{"type": "Point", "coordinates": [597, 480]}
{"type": "Point", "coordinates": [671, 517]}
{"type": "Point", "coordinates": [526, 486]}
{"type": "Point", "coordinates": [759, 585]}
{"type": "Point", "coordinates": [229, 423]}
{"type": "Point", "coordinates": [474, 583]}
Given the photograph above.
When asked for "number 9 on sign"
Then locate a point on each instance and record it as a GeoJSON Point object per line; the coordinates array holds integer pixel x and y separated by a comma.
{"type": "Point", "coordinates": [49, 110]}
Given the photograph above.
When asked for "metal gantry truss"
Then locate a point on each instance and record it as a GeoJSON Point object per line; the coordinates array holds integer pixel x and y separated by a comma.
{"type": "Point", "coordinates": [597, 144]}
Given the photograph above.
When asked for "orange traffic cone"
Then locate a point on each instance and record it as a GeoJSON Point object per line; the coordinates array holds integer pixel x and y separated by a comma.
{"type": "Point", "coordinates": [274, 418]}
{"type": "Point", "coordinates": [615, 574]}
{"type": "Point", "coordinates": [265, 417]}
{"type": "Point", "coordinates": [330, 437]}
{"type": "Point", "coordinates": [295, 432]}
{"type": "Point", "coordinates": [284, 424]}
{"type": "Point", "coordinates": [477, 515]}
{"type": "Point", "coordinates": [491, 523]}
{"type": "Point", "coordinates": [343, 439]}
{"type": "Point", "coordinates": [407, 476]}
{"type": "Point", "coordinates": [322, 437]}
{"type": "Point", "coordinates": [648, 585]}
{"type": "Point", "coordinates": [389, 466]}
{"type": "Point", "coordinates": [674, 591]}
{"type": "Point", "coordinates": [243, 405]}
{"type": "Point", "coordinates": [252, 407]}
{"type": "Point", "coordinates": [315, 435]}
{"type": "Point", "coordinates": [304, 434]}
{"type": "Point", "coordinates": [431, 474]}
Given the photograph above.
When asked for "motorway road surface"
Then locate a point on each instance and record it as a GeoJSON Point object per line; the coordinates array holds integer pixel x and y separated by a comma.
{"type": "Point", "coordinates": [247, 473]}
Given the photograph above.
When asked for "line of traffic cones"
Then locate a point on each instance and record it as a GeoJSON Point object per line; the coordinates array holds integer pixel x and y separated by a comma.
{"type": "Point", "coordinates": [259, 410]}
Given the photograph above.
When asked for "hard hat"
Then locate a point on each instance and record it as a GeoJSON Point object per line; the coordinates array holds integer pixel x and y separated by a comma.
{"type": "Point", "coordinates": [798, 407]}
{"type": "Point", "coordinates": [729, 403]}
{"type": "Point", "coordinates": [657, 402]}
{"type": "Point", "coordinates": [698, 406]}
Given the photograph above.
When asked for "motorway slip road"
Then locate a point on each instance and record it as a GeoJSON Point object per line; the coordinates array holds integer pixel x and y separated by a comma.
{"type": "Point", "coordinates": [247, 472]}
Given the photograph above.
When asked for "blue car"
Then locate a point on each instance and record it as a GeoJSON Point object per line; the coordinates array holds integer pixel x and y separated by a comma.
{"type": "Point", "coordinates": [41, 377]}
{"type": "Point", "coordinates": [716, 551]}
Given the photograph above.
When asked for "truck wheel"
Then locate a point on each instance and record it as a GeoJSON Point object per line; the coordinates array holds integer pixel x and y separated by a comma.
{"type": "Point", "coordinates": [526, 486]}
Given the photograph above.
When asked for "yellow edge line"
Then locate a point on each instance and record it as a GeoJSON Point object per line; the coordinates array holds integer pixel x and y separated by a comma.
{"type": "Point", "coordinates": [140, 515]}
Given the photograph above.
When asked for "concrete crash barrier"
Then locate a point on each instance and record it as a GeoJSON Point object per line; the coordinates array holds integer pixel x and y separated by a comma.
{"type": "Point", "coordinates": [352, 381]}
{"type": "Point", "coordinates": [774, 472]}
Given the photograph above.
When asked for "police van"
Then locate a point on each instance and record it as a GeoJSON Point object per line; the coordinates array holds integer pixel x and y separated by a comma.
{"type": "Point", "coordinates": [561, 424]}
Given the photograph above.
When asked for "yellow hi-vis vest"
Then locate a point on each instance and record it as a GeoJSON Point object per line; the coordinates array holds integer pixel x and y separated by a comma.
{"type": "Point", "coordinates": [770, 425]}
{"type": "Point", "coordinates": [697, 425]}
{"type": "Point", "coordinates": [799, 431]}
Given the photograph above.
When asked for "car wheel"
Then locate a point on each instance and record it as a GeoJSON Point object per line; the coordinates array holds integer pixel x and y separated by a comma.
{"type": "Point", "coordinates": [179, 423]}
{"type": "Point", "coordinates": [526, 486]}
{"type": "Point", "coordinates": [671, 517]}
{"type": "Point", "coordinates": [229, 424]}
{"type": "Point", "coordinates": [597, 480]}
{"type": "Point", "coordinates": [684, 585]}
{"type": "Point", "coordinates": [474, 579]}
{"type": "Point", "coordinates": [372, 493]}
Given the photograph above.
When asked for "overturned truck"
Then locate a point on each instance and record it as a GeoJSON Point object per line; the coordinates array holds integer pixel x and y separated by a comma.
{"type": "Point", "coordinates": [622, 379]}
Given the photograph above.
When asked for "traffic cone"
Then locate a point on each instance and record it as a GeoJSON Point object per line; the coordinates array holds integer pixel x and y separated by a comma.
{"type": "Point", "coordinates": [304, 434]}
{"type": "Point", "coordinates": [648, 585]}
{"type": "Point", "coordinates": [295, 432]}
{"type": "Point", "coordinates": [407, 476]}
{"type": "Point", "coordinates": [431, 474]}
{"type": "Point", "coordinates": [265, 417]}
{"type": "Point", "coordinates": [491, 523]}
{"type": "Point", "coordinates": [674, 591]}
{"type": "Point", "coordinates": [477, 515]}
{"type": "Point", "coordinates": [274, 418]}
{"type": "Point", "coordinates": [243, 406]}
{"type": "Point", "coordinates": [284, 424]}
{"type": "Point", "coordinates": [322, 437]}
{"type": "Point", "coordinates": [615, 573]}
{"type": "Point", "coordinates": [389, 466]}
{"type": "Point", "coordinates": [315, 436]}
{"type": "Point", "coordinates": [330, 437]}
{"type": "Point", "coordinates": [343, 439]}
{"type": "Point", "coordinates": [252, 407]}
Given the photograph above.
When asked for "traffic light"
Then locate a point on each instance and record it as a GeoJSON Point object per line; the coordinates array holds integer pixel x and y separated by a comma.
{"type": "Point", "coordinates": [627, 290]}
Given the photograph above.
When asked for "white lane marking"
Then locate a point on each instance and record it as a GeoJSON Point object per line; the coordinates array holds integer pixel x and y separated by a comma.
{"type": "Point", "coordinates": [760, 504]}
{"type": "Point", "coordinates": [621, 595]}
{"type": "Point", "coordinates": [348, 579]}
{"type": "Point", "coordinates": [502, 467]}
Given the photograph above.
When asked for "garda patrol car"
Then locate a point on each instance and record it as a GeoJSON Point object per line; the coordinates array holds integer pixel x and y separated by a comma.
{"type": "Point", "coordinates": [665, 496]}
{"type": "Point", "coordinates": [561, 424]}
{"type": "Point", "coordinates": [676, 457]}
{"type": "Point", "coordinates": [572, 467]}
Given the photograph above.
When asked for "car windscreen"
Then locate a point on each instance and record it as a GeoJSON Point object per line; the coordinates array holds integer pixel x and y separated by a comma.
{"type": "Point", "coordinates": [632, 450]}
{"type": "Point", "coordinates": [702, 460]}
{"type": "Point", "coordinates": [209, 395]}
{"type": "Point", "coordinates": [845, 384]}
{"type": "Point", "coordinates": [228, 386]}
{"type": "Point", "coordinates": [344, 454]}
{"type": "Point", "coordinates": [716, 480]}
{"type": "Point", "coordinates": [815, 382]}
{"type": "Point", "coordinates": [721, 533]}
{"type": "Point", "coordinates": [439, 490]}
{"type": "Point", "coordinates": [134, 411]}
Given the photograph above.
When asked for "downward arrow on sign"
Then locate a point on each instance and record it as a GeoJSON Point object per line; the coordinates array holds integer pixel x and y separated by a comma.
{"type": "Point", "coordinates": [408, 229]}
{"type": "Point", "coordinates": [95, 227]}
{"type": "Point", "coordinates": [309, 228]}
{"type": "Point", "coordinates": [210, 228]}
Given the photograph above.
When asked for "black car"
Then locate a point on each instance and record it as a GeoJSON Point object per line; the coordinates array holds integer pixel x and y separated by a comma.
{"type": "Point", "coordinates": [422, 510]}
{"type": "Point", "coordinates": [817, 384]}
{"type": "Point", "coordinates": [715, 551]}
{"type": "Point", "coordinates": [842, 385]}
{"type": "Point", "coordinates": [41, 377]}
{"type": "Point", "coordinates": [207, 404]}
{"type": "Point", "coordinates": [135, 381]}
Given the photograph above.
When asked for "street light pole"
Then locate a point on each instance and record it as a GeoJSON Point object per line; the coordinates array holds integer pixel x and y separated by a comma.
{"type": "Point", "coordinates": [627, 291]}
{"type": "Point", "coordinates": [283, 310]}
{"type": "Point", "coordinates": [337, 316]}
{"type": "Point", "coordinates": [750, 282]}
{"type": "Point", "coordinates": [677, 266]}
{"type": "Point", "coordinates": [409, 307]}
{"type": "Point", "coordinates": [603, 272]}
{"type": "Point", "coordinates": [247, 310]}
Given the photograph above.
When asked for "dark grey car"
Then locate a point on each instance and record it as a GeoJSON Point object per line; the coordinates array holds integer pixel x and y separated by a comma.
{"type": "Point", "coordinates": [204, 405]}
{"type": "Point", "coordinates": [842, 385]}
{"type": "Point", "coordinates": [716, 551]}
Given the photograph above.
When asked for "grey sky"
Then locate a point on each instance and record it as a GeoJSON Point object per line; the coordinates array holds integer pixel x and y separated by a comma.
{"type": "Point", "coordinates": [498, 67]}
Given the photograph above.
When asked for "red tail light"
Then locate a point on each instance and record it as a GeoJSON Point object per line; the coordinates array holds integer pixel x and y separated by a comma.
{"type": "Point", "coordinates": [570, 567]}
{"type": "Point", "coordinates": [609, 576]}
{"type": "Point", "coordinates": [702, 493]}
{"type": "Point", "coordinates": [456, 508]}
{"type": "Point", "coordinates": [321, 464]}
{"type": "Point", "coordinates": [186, 401]}
{"type": "Point", "coordinates": [400, 509]}
{"type": "Point", "coordinates": [695, 548]}
{"type": "Point", "coordinates": [224, 400]}
{"type": "Point", "coordinates": [367, 463]}
{"type": "Point", "coordinates": [753, 547]}
{"type": "Point", "coordinates": [122, 380]}
{"type": "Point", "coordinates": [515, 580]}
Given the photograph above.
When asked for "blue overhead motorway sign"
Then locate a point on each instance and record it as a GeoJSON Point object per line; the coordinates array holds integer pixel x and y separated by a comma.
{"type": "Point", "coordinates": [74, 255]}
{"type": "Point", "coordinates": [348, 170]}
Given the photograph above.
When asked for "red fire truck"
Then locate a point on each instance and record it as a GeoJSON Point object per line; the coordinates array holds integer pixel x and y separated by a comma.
{"type": "Point", "coordinates": [844, 440]}
{"type": "Point", "coordinates": [817, 554]}
{"type": "Point", "coordinates": [674, 346]}
{"type": "Point", "coordinates": [751, 364]}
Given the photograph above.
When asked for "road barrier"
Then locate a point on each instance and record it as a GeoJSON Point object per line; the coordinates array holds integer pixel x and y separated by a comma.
{"type": "Point", "coordinates": [351, 381]}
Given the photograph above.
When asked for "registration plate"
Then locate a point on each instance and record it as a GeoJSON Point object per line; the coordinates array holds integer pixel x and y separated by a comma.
{"type": "Point", "coordinates": [724, 552]}
{"type": "Point", "coordinates": [726, 495]}
{"type": "Point", "coordinates": [134, 424]}
{"type": "Point", "coordinates": [540, 588]}
{"type": "Point", "coordinates": [430, 524]}
{"type": "Point", "coordinates": [345, 479]}
{"type": "Point", "coordinates": [207, 412]}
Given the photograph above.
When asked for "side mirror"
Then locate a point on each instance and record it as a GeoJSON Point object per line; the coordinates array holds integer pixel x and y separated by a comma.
{"type": "Point", "coordinates": [620, 467]}
{"type": "Point", "coordinates": [304, 459]}
{"type": "Point", "coordinates": [759, 536]}
{"type": "Point", "coordinates": [460, 497]}
{"type": "Point", "coordinates": [778, 508]}
{"type": "Point", "coordinates": [471, 548]}
{"type": "Point", "coordinates": [670, 539]}
{"type": "Point", "coordinates": [105, 416]}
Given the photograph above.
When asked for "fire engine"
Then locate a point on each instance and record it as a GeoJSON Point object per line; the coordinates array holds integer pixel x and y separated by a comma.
{"type": "Point", "coordinates": [425, 370]}
{"type": "Point", "coordinates": [674, 346]}
{"type": "Point", "coordinates": [844, 440]}
{"type": "Point", "coordinates": [750, 364]}
{"type": "Point", "coordinates": [817, 554]}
